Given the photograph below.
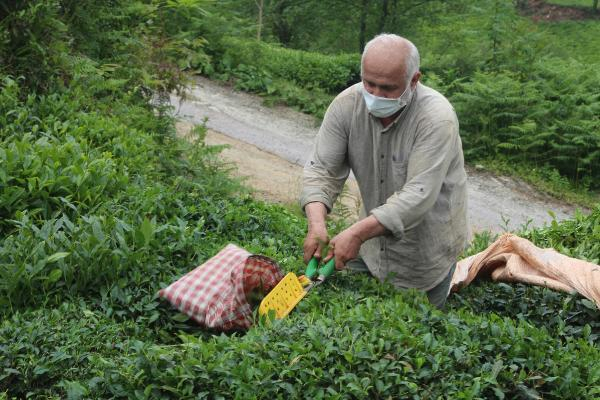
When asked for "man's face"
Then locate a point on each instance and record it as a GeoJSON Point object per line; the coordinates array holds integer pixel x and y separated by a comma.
{"type": "Point", "coordinates": [383, 75]}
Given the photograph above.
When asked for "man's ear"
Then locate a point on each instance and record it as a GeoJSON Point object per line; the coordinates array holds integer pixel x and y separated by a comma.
{"type": "Point", "coordinates": [415, 79]}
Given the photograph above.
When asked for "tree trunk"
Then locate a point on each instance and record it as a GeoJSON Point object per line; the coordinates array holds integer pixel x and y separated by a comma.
{"type": "Point", "coordinates": [260, 6]}
{"type": "Point", "coordinates": [384, 15]}
{"type": "Point", "coordinates": [363, 25]}
{"type": "Point", "coordinates": [595, 5]}
{"type": "Point", "coordinates": [281, 27]}
{"type": "Point", "coordinates": [394, 13]}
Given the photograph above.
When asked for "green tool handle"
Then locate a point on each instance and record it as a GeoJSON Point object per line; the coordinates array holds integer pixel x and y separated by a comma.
{"type": "Point", "coordinates": [313, 268]}
{"type": "Point", "coordinates": [327, 270]}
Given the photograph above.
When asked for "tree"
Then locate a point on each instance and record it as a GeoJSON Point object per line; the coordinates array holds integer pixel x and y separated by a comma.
{"type": "Point", "coordinates": [282, 29]}
{"type": "Point", "coordinates": [363, 25]}
{"type": "Point", "coordinates": [260, 4]}
{"type": "Point", "coordinates": [384, 14]}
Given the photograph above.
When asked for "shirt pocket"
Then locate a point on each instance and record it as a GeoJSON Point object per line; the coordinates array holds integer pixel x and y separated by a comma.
{"type": "Point", "coordinates": [399, 174]}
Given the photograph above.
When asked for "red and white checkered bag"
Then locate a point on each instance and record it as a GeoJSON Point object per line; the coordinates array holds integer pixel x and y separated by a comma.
{"type": "Point", "coordinates": [215, 293]}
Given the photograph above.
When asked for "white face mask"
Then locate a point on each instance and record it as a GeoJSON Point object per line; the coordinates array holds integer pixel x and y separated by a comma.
{"type": "Point", "coordinates": [382, 107]}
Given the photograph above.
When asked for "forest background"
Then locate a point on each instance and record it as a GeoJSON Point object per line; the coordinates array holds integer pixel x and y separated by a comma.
{"type": "Point", "coordinates": [101, 205]}
{"type": "Point", "coordinates": [526, 93]}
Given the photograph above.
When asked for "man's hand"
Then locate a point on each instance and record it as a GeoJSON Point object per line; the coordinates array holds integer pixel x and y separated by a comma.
{"type": "Point", "coordinates": [315, 241]}
{"type": "Point", "coordinates": [344, 246]}
{"type": "Point", "coordinates": [317, 236]}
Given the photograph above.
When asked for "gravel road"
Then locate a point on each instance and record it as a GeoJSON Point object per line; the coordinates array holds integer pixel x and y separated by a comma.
{"type": "Point", "coordinates": [284, 138]}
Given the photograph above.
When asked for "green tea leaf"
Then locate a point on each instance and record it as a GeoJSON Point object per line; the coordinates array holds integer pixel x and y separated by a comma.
{"type": "Point", "coordinates": [57, 256]}
{"type": "Point", "coordinates": [147, 230]}
{"type": "Point", "coordinates": [54, 275]}
{"type": "Point", "coordinates": [180, 317]}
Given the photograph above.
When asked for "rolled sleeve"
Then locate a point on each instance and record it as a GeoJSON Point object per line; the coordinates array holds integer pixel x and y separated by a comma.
{"type": "Point", "coordinates": [390, 219]}
{"type": "Point", "coordinates": [427, 167]}
{"type": "Point", "coordinates": [311, 195]}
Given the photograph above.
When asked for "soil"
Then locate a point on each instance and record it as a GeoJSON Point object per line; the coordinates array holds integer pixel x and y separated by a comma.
{"type": "Point", "coordinates": [540, 10]}
{"type": "Point", "coordinates": [269, 145]}
{"type": "Point", "coordinates": [270, 177]}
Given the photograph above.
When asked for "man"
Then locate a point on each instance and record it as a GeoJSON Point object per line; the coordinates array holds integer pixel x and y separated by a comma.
{"type": "Point", "coordinates": [400, 139]}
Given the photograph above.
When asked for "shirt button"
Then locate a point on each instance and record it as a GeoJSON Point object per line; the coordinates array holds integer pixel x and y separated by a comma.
{"type": "Point", "coordinates": [381, 181]}
{"type": "Point", "coordinates": [381, 249]}
{"type": "Point", "coordinates": [382, 156]}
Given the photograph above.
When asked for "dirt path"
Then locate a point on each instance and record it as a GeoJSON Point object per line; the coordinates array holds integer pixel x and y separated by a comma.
{"type": "Point", "coordinates": [270, 145]}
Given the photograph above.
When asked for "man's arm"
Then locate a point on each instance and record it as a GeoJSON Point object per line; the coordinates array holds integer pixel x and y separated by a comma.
{"type": "Point", "coordinates": [346, 244]}
{"type": "Point", "coordinates": [317, 236]}
{"type": "Point", "coordinates": [324, 175]}
{"type": "Point", "coordinates": [327, 167]}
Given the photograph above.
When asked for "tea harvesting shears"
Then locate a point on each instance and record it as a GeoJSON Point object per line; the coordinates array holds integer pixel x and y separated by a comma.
{"type": "Point", "coordinates": [291, 289]}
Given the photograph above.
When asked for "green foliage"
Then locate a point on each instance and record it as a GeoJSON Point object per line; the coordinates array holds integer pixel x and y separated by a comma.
{"type": "Point", "coordinates": [525, 93]}
{"type": "Point", "coordinates": [542, 119]}
{"type": "Point", "coordinates": [101, 206]}
{"type": "Point", "coordinates": [327, 348]}
{"type": "Point", "coordinates": [33, 41]}
{"type": "Point", "coordinates": [311, 101]}
{"type": "Point", "coordinates": [573, 3]}
{"type": "Point", "coordinates": [578, 237]}
{"type": "Point", "coordinates": [304, 80]}
{"type": "Point", "coordinates": [84, 218]}
{"type": "Point", "coordinates": [51, 43]}
{"type": "Point", "coordinates": [68, 334]}
{"type": "Point", "coordinates": [307, 70]}
{"type": "Point", "coordinates": [561, 34]}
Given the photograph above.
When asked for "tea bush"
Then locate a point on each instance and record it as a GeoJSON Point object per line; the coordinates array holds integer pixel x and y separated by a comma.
{"type": "Point", "coordinates": [101, 206]}
{"type": "Point", "coordinates": [306, 69]}
{"type": "Point", "coordinates": [351, 338]}
{"type": "Point", "coordinates": [81, 317]}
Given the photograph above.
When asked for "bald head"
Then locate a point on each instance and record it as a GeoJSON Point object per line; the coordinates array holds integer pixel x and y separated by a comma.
{"type": "Point", "coordinates": [391, 54]}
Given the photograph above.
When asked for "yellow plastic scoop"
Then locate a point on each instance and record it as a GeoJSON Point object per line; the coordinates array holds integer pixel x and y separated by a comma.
{"type": "Point", "coordinates": [284, 297]}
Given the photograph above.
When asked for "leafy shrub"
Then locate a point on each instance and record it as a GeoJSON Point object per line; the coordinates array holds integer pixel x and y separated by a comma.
{"type": "Point", "coordinates": [542, 119]}
{"type": "Point", "coordinates": [49, 349]}
{"type": "Point", "coordinates": [310, 101]}
{"type": "Point", "coordinates": [88, 198]}
{"type": "Point", "coordinates": [578, 237]}
{"type": "Point", "coordinates": [560, 34]}
{"type": "Point", "coordinates": [110, 207]}
{"type": "Point", "coordinates": [43, 178]}
{"type": "Point", "coordinates": [34, 41]}
{"type": "Point", "coordinates": [329, 349]}
{"type": "Point", "coordinates": [308, 70]}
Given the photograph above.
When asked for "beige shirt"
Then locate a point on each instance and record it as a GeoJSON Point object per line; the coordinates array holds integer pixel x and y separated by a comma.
{"type": "Point", "coordinates": [411, 177]}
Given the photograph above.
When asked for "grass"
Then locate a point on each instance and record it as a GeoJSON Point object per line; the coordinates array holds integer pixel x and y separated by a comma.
{"type": "Point", "coordinates": [573, 39]}
{"type": "Point", "coordinates": [572, 3]}
{"type": "Point", "coordinates": [544, 180]}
